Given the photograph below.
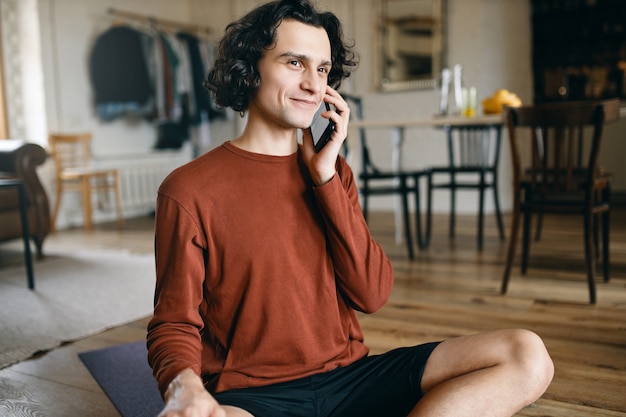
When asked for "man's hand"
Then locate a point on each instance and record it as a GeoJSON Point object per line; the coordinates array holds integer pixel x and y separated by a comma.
{"type": "Point", "coordinates": [322, 165]}
{"type": "Point", "coordinates": [186, 396]}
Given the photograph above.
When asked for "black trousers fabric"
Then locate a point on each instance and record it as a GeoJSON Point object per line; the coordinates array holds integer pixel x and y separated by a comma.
{"type": "Point", "coordinates": [379, 385]}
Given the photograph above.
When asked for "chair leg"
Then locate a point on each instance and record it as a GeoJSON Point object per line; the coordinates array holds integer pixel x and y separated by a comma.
{"type": "Point", "coordinates": [452, 226]}
{"type": "Point", "coordinates": [496, 204]}
{"type": "Point", "coordinates": [38, 246]}
{"type": "Point", "coordinates": [407, 220]}
{"type": "Point", "coordinates": [57, 207]}
{"type": "Point", "coordinates": [590, 258]}
{"type": "Point", "coordinates": [429, 214]}
{"type": "Point", "coordinates": [422, 239]}
{"type": "Point", "coordinates": [606, 224]}
{"type": "Point", "coordinates": [28, 260]}
{"type": "Point", "coordinates": [481, 210]}
{"type": "Point", "coordinates": [506, 276]}
{"type": "Point", "coordinates": [526, 240]}
{"type": "Point", "coordinates": [596, 237]}
{"type": "Point", "coordinates": [86, 194]}
{"type": "Point", "coordinates": [539, 226]}
{"type": "Point", "coordinates": [606, 265]}
{"type": "Point", "coordinates": [118, 201]}
{"type": "Point", "coordinates": [429, 209]}
{"type": "Point", "coordinates": [418, 217]}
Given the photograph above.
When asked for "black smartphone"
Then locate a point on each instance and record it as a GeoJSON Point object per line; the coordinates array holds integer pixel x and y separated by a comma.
{"type": "Point", "coordinates": [321, 128]}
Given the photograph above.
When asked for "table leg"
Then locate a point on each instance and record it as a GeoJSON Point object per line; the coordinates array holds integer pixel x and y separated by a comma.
{"type": "Point", "coordinates": [397, 139]}
{"type": "Point", "coordinates": [26, 235]}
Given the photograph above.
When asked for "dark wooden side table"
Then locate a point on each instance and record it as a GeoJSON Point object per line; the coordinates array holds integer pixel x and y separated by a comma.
{"type": "Point", "coordinates": [17, 183]}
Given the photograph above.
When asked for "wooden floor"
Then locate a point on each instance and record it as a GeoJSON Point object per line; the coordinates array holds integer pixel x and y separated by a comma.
{"type": "Point", "coordinates": [451, 289]}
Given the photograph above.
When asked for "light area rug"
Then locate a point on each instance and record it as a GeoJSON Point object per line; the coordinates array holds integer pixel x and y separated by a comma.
{"type": "Point", "coordinates": [76, 295]}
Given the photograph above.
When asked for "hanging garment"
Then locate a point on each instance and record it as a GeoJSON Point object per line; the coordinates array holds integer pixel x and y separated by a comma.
{"type": "Point", "coordinates": [203, 101]}
{"type": "Point", "coordinates": [171, 62]}
{"type": "Point", "coordinates": [119, 73]}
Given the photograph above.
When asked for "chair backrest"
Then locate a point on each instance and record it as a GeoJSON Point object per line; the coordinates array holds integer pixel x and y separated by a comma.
{"type": "Point", "coordinates": [356, 106]}
{"type": "Point", "coordinates": [564, 143]}
{"type": "Point", "coordinates": [473, 146]}
{"type": "Point", "coordinates": [70, 150]}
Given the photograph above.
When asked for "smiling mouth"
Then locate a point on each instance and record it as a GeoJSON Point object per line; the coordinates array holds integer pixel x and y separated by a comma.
{"type": "Point", "coordinates": [306, 101]}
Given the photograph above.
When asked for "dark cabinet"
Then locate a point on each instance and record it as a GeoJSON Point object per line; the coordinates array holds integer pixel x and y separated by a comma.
{"type": "Point", "coordinates": [578, 49]}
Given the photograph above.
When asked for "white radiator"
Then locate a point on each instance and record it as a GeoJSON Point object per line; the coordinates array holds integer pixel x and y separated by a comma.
{"type": "Point", "coordinates": [140, 177]}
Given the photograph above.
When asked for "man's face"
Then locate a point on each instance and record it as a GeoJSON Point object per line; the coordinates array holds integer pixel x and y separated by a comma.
{"type": "Point", "coordinates": [294, 75]}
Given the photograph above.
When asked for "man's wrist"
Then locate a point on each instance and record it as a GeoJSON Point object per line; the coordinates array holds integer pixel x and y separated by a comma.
{"type": "Point", "coordinates": [185, 379]}
{"type": "Point", "coordinates": [323, 179]}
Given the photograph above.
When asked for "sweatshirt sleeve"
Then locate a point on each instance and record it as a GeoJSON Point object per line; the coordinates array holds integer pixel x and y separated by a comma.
{"type": "Point", "coordinates": [363, 271]}
{"type": "Point", "coordinates": [173, 338]}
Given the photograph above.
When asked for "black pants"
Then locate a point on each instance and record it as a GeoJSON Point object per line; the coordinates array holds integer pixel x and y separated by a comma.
{"type": "Point", "coordinates": [386, 385]}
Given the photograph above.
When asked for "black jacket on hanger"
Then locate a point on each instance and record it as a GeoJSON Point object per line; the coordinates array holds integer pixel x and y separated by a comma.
{"type": "Point", "coordinates": [118, 68]}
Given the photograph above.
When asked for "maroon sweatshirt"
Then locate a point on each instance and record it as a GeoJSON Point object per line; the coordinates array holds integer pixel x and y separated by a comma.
{"type": "Point", "coordinates": [259, 272]}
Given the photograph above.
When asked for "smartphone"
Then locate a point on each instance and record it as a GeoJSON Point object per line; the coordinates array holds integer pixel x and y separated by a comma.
{"type": "Point", "coordinates": [321, 128]}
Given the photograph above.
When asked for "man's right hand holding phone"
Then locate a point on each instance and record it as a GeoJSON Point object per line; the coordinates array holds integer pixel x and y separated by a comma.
{"type": "Point", "coordinates": [322, 164]}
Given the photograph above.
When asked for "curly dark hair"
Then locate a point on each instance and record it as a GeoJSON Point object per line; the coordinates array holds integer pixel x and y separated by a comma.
{"type": "Point", "coordinates": [235, 75]}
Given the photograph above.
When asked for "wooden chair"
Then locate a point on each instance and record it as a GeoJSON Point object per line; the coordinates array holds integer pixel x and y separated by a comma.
{"type": "Point", "coordinates": [377, 182]}
{"type": "Point", "coordinates": [74, 172]}
{"type": "Point", "coordinates": [559, 174]}
{"type": "Point", "coordinates": [472, 150]}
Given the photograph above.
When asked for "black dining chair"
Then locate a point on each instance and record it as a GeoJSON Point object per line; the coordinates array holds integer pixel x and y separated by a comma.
{"type": "Point", "coordinates": [378, 182]}
{"type": "Point", "coordinates": [554, 153]}
{"type": "Point", "coordinates": [473, 160]}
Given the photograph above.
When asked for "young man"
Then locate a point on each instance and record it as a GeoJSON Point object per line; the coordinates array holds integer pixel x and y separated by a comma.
{"type": "Point", "coordinates": [263, 258]}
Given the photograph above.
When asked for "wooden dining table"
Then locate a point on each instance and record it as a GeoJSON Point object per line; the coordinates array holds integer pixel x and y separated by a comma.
{"type": "Point", "coordinates": [398, 128]}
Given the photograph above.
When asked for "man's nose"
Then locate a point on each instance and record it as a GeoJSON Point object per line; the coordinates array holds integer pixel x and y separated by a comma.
{"type": "Point", "coordinates": [312, 81]}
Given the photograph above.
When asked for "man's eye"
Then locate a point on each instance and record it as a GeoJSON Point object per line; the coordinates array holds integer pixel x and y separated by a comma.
{"type": "Point", "coordinates": [323, 70]}
{"type": "Point", "coordinates": [294, 62]}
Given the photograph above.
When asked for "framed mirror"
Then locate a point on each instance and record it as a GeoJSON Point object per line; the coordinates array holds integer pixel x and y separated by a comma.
{"type": "Point", "coordinates": [411, 44]}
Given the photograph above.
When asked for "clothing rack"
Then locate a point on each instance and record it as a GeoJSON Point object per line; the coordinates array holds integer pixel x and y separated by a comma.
{"type": "Point", "coordinates": [158, 21]}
